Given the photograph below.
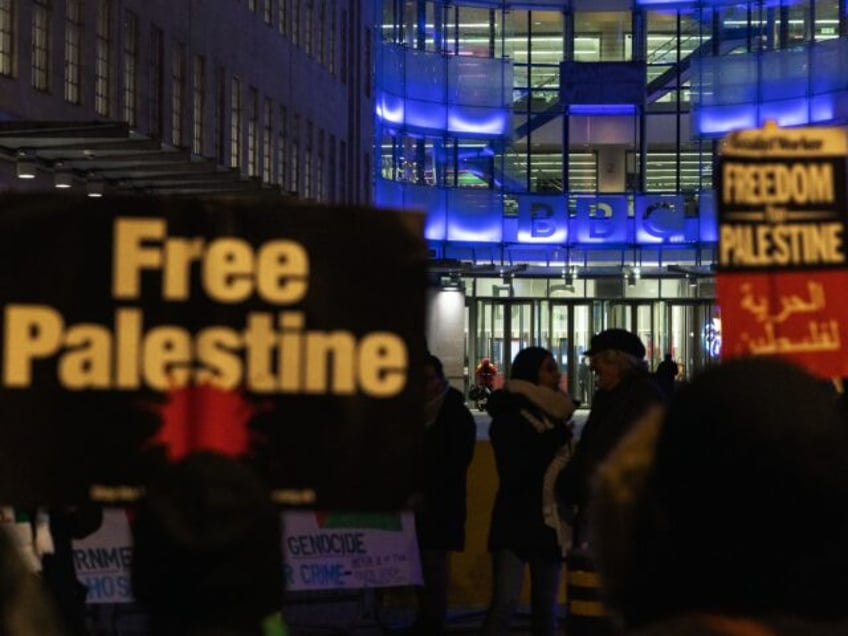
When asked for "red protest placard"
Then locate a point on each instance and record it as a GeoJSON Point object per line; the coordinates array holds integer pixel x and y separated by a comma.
{"type": "Point", "coordinates": [782, 271]}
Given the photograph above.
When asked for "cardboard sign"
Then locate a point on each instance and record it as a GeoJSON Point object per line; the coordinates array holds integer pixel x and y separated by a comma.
{"type": "Point", "coordinates": [135, 330]}
{"type": "Point", "coordinates": [782, 246]}
{"type": "Point", "coordinates": [324, 551]}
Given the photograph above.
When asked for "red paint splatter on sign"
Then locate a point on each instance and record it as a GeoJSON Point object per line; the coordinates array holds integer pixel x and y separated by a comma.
{"type": "Point", "coordinates": [204, 418]}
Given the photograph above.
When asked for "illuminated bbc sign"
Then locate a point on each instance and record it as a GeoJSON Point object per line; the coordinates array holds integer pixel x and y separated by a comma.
{"type": "Point", "coordinates": [656, 219]}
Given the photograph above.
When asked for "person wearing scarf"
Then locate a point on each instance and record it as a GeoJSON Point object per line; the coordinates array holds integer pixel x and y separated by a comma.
{"type": "Point", "coordinates": [449, 438]}
{"type": "Point", "coordinates": [530, 436]}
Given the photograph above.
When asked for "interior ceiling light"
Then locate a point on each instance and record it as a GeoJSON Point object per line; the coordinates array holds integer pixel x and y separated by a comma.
{"type": "Point", "coordinates": [62, 178]}
{"type": "Point", "coordinates": [26, 167]}
{"type": "Point", "coordinates": [95, 188]}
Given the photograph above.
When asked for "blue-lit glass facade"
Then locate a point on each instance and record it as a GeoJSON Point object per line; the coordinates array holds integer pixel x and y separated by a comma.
{"type": "Point", "coordinates": [549, 141]}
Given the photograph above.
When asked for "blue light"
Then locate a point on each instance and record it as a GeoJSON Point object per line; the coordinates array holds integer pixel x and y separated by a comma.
{"type": "Point", "coordinates": [790, 112]}
{"type": "Point", "coordinates": [477, 121]}
{"type": "Point", "coordinates": [602, 109]}
{"type": "Point", "coordinates": [389, 108]}
{"type": "Point", "coordinates": [718, 120]}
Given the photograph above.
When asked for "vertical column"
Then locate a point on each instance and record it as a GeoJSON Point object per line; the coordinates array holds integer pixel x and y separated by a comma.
{"type": "Point", "coordinates": [567, 56]}
{"type": "Point", "coordinates": [421, 25]}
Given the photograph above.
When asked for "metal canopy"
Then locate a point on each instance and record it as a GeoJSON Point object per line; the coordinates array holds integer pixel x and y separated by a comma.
{"type": "Point", "coordinates": [112, 153]}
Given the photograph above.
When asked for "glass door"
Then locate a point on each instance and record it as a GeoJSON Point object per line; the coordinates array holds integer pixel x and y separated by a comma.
{"type": "Point", "coordinates": [571, 330]}
{"type": "Point", "coordinates": [503, 328]}
{"type": "Point", "coordinates": [641, 318]}
{"type": "Point", "coordinates": [694, 330]}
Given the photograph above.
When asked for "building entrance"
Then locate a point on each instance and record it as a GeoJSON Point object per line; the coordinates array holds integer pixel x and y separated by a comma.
{"type": "Point", "coordinates": [498, 328]}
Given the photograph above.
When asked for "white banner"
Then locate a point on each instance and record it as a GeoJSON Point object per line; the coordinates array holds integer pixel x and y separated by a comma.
{"type": "Point", "coordinates": [348, 551]}
{"type": "Point", "coordinates": [321, 551]}
{"type": "Point", "coordinates": [103, 560]}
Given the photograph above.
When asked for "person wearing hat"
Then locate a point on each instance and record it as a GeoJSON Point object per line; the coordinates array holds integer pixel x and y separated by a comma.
{"type": "Point", "coordinates": [725, 515]}
{"type": "Point", "coordinates": [625, 391]}
{"type": "Point", "coordinates": [530, 437]}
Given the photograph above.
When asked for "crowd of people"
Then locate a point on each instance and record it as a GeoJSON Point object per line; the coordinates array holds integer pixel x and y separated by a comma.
{"type": "Point", "coordinates": [713, 509]}
{"type": "Point", "coordinates": [708, 508]}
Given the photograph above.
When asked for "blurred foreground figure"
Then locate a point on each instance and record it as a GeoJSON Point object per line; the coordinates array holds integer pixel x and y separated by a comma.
{"type": "Point", "coordinates": [449, 438]}
{"type": "Point", "coordinates": [25, 607]}
{"type": "Point", "coordinates": [727, 515]}
{"type": "Point", "coordinates": [208, 555]}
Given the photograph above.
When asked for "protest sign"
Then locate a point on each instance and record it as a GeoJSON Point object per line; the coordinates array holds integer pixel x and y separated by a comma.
{"type": "Point", "coordinates": [103, 559]}
{"type": "Point", "coordinates": [135, 330]}
{"type": "Point", "coordinates": [349, 551]}
{"type": "Point", "coordinates": [322, 551]}
{"type": "Point", "coordinates": [782, 255]}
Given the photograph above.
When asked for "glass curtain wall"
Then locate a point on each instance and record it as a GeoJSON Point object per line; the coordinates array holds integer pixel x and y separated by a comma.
{"type": "Point", "coordinates": [536, 41]}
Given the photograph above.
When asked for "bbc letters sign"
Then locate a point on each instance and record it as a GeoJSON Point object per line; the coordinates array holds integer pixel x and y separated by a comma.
{"type": "Point", "coordinates": [604, 220]}
{"type": "Point", "coordinates": [137, 328]}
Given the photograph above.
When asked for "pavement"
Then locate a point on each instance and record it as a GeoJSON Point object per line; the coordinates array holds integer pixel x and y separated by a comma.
{"type": "Point", "coordinates": [368, 614]}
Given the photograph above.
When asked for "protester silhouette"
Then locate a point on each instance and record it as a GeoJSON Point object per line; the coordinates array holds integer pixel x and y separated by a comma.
{"type": "Point", "coordinates": [440, 513]}
{"type": "Point", "coordinates": [726, 515]}
{"type": "Point", "coordinates": [529, 433]}
{"type": "Point", "coordinates": [207, 555]}
{"type": "Point", "coordinates": [624, 392]}
{"type": "Point", "coordinates": [666, 374]}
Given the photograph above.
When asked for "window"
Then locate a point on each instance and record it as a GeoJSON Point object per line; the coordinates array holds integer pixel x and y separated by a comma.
{"type": "Point", "coordinates": [157, 80]}
{"type": "Point", "coordinates": [178, 78]}
{"type": "Point", "coordinates": [294, 148]}
{"type": "Point", "coordinates": [220, 114]}
{"type": "Point", "coordinates": [320, 176]}
{"type": "Point", "coordinates": [73, 50]}
{"type": "Point", "coordinates": [235, 122]}
{"type": "Point", "coordinates": [7, 37]}
{"type": "Point", "coordinates": [103, 60]}
{"type": "Point", "coordinates": [251, 6]}
{"type": "Point", "coordinates": [283, 16]}
{"type": "Point", "coordinates": [41, 45]}
{"type": "Point", "coordinates": [282, 176]}
{"type": "Point", "coordinates": [367, 63]}
{"type": "Point", "coordinates": [295, 22]}
{"type": "Point", "coordinates": [131, 68]}
{"type": "Point", "coordinates": [343, 171]}
{"type": "Point", "coordinates": [331, 55]}
{"type": "Point", "coordinates": [267, 13]}
{"type": "Point", "coordinates": [308, 26]}
{"type": "Point", "coordinates": [322, 26]}
{"type": "Point", "coordinates": [252, 132]}
{"type": "Point", "coordinates": [308, 189]}
{"type": "Point", "coordinates": [343, 49]}
{"type": "Point", "coordinates": [267, 141]}
{"type": "Point", "coordinates": [198, 102]}
{"type": "Point", "coordinates": [331, 169]}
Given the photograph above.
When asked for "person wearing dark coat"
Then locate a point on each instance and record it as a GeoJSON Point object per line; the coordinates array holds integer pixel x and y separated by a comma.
{"type": "Point", "coordinates": [666, 374]}
{"type": "Point", "coordinates": [449, 439]}
{"type": "Point", "coordinates": [530, 436]}
{"type": "Point", "coordinates": [625, 392]}
{"type": "Point", "coordinates": [725, 514]}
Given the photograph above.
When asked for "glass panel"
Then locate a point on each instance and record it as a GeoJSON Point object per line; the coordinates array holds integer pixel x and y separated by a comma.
{"type": "Point", "coordinates": [522, 331]}
{"type": "Point", "coordinates": [827, 20]}
{"type": "Point", "coordinates": [515, 35]}
{"type": "Point", "coordinates": [605, 34]}
{"type": "Point", "coordinates": [476, 33]}
{"type": "Point", "coordinates": [559, 344]}
{"type": "Point", "coordinates": [645, 329]}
